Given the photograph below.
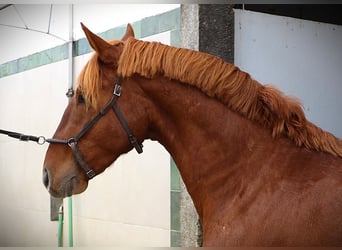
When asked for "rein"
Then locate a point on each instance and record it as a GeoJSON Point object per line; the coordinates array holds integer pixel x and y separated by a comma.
{"type": "Point", "coordinates": [72, 141]}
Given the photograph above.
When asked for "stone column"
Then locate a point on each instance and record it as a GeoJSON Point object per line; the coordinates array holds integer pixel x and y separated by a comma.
{"type": "Point", "coordinates": [208, 28]}
{"type": "Point", "coordinates": [216, 30]}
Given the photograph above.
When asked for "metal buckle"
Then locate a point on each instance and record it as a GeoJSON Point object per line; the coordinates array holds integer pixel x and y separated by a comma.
{"type": "Point", "coordinates": [91, 174]}
{"type": "Point", "coordinates": [117, 90]}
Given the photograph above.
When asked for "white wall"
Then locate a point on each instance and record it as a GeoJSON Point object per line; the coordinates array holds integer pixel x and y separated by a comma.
{"type": "Point", "coordinates": [302, 58]}
{"type": "Point", "coordinates": [30, 102]}
{"type": "Point", "coordinates": [128, 205]}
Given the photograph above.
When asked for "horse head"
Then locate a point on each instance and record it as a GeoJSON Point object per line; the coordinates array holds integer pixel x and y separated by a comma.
{"type": "Point", "coordinates": [90, 135]}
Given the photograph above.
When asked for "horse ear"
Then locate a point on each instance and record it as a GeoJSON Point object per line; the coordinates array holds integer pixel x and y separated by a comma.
{"type": "Point", "coordinates": [129, 32]}
{"type": "Point", "coordinates": [107, 52]}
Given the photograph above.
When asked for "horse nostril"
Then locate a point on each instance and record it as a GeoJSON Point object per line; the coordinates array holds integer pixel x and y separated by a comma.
{"type": "Point", "coordinates": [45, 177]}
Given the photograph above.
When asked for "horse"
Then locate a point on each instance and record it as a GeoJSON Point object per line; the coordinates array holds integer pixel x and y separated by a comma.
{"type": "Point", "coordinates": [258, 171]}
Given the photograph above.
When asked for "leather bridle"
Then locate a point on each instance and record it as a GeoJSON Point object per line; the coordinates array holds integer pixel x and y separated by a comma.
{"type": "Point", "coordinates": [73, 141]}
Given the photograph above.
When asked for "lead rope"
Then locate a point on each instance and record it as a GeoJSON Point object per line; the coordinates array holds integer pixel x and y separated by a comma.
{"type": "Point", "coordinates": [22, 137]}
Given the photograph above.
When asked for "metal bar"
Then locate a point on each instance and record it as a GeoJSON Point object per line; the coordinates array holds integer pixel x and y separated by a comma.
{"type": "Point", "coordinates": [60, 226]}
{"type": "Point", "coordinates": [50, 15]}
{"type": "Point", "coordinates": [70, 92]}
{"type": "Point", "coordinates": [6, 6]}
{"type": "Point", "coordinates": [71, 233]}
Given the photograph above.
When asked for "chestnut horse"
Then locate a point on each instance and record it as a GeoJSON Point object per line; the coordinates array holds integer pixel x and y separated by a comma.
{"type": "Point", "coordinates": [259, 173]}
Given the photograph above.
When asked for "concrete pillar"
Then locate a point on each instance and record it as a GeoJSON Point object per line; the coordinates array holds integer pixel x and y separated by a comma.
{"type": "Point", "coordinates": [208, 28]}
{"type": "Point", "coordinates": [216, 30]}
{"type": "Point", "coordinates": [189, 38]}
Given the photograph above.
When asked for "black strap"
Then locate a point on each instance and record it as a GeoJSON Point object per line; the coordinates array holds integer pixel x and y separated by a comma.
{"type": "Point", "coordinates": [81, 161]}
{"type": "Point", "coordinates": [131, 137]}
{"type": "Point", "coordinates": [95, 119]}
{"type": "Point", "coordinates": [116, 94]}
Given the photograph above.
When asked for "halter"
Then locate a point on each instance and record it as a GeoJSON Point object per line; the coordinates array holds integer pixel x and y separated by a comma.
{"type": "Point", "coordinates": [72, 141]}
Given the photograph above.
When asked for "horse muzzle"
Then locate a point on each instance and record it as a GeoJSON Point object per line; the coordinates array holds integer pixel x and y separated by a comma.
{"type": "Point", "coordinates": [64, 187]}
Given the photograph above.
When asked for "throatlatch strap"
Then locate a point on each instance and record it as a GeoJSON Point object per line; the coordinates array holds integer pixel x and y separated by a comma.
{"type": "Point", "coordinates": [133, 140]}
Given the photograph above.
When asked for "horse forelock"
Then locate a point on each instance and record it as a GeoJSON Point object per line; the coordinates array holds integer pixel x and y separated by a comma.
{"type": "Point", "coordinates": [89, 81]}
{"type": "Point", "coordinates": [216, 78]}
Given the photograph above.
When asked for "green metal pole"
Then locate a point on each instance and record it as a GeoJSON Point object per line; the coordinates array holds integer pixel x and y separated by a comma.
{"type": "Point", "coordinates": [71, 28]}
{"type": "Point", "coordinates": [71, 237]}
{"type": "Point", "coordinates": [60, 226]}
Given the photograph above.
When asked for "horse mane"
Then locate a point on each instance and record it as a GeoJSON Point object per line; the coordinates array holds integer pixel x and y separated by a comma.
{"type": "Point", "coordinates": [263, 104]}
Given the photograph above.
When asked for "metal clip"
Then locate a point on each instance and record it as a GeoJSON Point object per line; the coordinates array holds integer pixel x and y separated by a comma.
{"type": "Point", "coordinates": [72, 141]}
{"type": "Point", "coordinates": [41, 140]}
{"type": "Point", "coordinates": [117, 90]}
{"type": "Point", "coordinates": [70, 93]}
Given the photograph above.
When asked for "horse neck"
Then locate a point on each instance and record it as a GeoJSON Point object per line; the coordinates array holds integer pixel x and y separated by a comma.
{"type": "Point", "coordinates": [208, 142]}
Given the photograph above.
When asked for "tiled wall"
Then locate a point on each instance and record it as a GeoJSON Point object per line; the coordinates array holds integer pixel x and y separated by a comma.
{"type": "Point", "coordinates": [175, 205]}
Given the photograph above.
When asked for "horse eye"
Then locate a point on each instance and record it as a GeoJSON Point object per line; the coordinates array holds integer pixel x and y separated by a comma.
{"type": "Point", "coordinates": [80, 99]}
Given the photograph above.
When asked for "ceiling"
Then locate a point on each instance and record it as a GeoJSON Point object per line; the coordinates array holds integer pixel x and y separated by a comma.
{"type": "Point", "coordinates": [4, 6]}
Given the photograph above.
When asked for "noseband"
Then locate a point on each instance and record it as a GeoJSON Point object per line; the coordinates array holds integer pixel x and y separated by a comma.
{"type": "Point", "coordinates": [72, 142]}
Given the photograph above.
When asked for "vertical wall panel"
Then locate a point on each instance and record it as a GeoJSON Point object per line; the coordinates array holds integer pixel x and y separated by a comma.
{"type": "Point", "coordinates": [302, 58]}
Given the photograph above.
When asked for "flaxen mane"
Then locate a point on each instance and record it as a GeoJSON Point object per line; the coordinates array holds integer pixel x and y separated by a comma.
{"type": "Point", "coordinates": [227, 83]}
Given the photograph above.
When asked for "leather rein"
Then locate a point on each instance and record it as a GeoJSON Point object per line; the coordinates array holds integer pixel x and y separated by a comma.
{"type": "Point", "coordinates": [73, 141]}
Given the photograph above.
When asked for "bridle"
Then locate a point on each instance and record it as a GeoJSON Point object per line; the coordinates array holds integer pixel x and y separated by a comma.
{"type": "Point", "coordinates": [73, 141]}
